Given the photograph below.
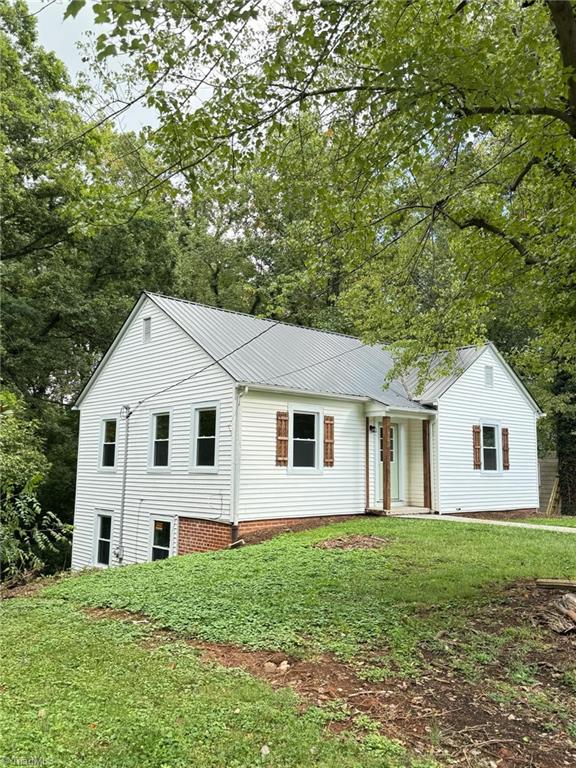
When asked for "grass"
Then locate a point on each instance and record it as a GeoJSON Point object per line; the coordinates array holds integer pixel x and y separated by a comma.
{"type": "Point", "coordinates": [102, 692]}
{"type": "Point", "coordinates": [288, 594]}
{"type": "Point", "coordinates": [566, 521]}
{"type": "Point", "coordinates": [79, 691]}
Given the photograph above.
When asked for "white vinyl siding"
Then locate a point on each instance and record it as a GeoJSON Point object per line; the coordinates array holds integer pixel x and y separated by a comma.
{"type": "Point", "coordinates": [469, 402]}
{"type": "Point", "coordinates": [270, 491]}
{"type": "Point", "coordinates": [132, 373]}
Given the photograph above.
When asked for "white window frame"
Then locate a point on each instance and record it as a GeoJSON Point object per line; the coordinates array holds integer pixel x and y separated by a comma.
{"type": "Point", "coordinates": [98, 513]}
{"type": "Point", "coordinates": [103, 421]}
{"type": "Point", "coordinates": [152, 435]}
{"type": "Point", "coordinates": [318, 413]}
{"type": "Point", "coordinates": [498, 441]}
{"type": "Point", "coordinates": [165, 519]}
{"type": "Point", "coordinates": [146, 330]}
{"type": "Point", "coordinates": [194, 467]}
{"type": "Point", "coordinates": [489, 378]}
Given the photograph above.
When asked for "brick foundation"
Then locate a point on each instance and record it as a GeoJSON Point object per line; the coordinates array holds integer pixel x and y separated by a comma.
{"type": "Point", "coordinates": [202, 535]}
{"type": "Point", "coordinates": [207, 535]}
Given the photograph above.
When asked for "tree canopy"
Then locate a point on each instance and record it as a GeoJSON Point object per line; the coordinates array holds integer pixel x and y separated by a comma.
{"type": "Point", "coordinates": [445, 191]}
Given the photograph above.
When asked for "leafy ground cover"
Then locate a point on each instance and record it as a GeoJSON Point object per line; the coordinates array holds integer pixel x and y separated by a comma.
{"type": "Point", "coordinates": [77, 691]}
{"type": "Point", "coordinates": [427, 646]}
{"type": "Point", "coordinates": [290, 594]}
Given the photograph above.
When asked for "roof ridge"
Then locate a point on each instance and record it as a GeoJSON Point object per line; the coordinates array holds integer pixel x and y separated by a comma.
{"type": "Point", "coordinates": [255, 317]}
{"type": "Point", "coordinates": [381, 345]}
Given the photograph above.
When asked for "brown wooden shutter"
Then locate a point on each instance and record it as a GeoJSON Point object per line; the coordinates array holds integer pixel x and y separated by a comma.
{"type": "Point", "coordinates": [328, 441]}
{"type": "Point", "coordinates": [505, 448]}
{"type": "Point", "coordinates": [476, 446]}
{"type": "Point", "coordinates": [282, 438]}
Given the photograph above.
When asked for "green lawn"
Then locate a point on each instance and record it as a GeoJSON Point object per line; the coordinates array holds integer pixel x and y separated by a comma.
{"type": "Point", "coordinates": [102, 692]}
{"type": "Point", "coordinates": [565, 521]}
{"type": "Point", "coordinates": [288, 594]}
{"type": "Point", "coordinates": [86, 692]}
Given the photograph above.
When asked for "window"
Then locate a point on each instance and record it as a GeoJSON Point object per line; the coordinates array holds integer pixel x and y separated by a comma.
{"type": "Point", "coordinates": [205, 449]}
{"type": "Point", "coordinates": [108, 458]}
{"type": "Point", "coordinates": [488, 376]}
{"type": "Point", "coordinates": [103, 539]}
{"type": "Point", "coordinates": [146, 330]}
{"type": "Point", "coordinates": [489, 448]}
{"type": "Point", "coordinates": [304, 439]}
{"type": "Point", "coordinates": [161, 445]}
{"type": "Point", "coordinates": [161, 535]}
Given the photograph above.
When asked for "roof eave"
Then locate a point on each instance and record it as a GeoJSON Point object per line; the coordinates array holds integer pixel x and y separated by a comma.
{"type": "Point", "coordinates": [304, 392]}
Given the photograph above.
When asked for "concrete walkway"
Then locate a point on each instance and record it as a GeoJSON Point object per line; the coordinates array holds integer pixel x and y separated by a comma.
{"type": "Point", "coordinates": [478, 521]}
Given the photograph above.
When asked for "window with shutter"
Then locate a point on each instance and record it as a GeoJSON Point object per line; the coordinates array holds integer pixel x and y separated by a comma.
{"type": "Point", "coordinates": [476, 446]}
{"type": "Point", "coordinates": [328, 441]}
{"type": "Point", "coordinates": [282, 439]}
{"type": "Point", "coordinates": [505, 448]}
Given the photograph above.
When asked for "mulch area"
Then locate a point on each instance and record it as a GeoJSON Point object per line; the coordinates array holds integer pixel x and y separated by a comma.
{"type": "Point", "coordinates": [438, 713]}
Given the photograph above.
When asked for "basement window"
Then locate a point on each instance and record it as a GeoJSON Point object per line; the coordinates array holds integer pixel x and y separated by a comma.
{"type": "Point", "coordinates": [161, 536]}
{"type": "Point", "coordinates": [103, 539]}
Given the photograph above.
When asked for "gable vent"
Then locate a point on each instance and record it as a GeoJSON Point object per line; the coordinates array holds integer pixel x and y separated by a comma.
{"type": "Point", "coordinates": [146, 330]}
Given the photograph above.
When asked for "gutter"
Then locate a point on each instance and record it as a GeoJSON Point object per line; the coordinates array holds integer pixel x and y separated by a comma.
{"type": "Point", "coordinates": [302, 392]}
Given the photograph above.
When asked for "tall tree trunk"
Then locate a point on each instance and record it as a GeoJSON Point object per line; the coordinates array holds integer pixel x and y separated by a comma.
{"type": "Point", "coordinates": [565, 433]}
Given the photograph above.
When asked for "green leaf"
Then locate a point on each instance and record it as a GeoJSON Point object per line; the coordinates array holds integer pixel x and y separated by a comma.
{"type": "Point", "coordinates": [74, 7]}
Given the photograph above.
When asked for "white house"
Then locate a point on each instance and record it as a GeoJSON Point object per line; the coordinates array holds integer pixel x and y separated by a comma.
{"type": "Point", "coordinates": [201, 424]}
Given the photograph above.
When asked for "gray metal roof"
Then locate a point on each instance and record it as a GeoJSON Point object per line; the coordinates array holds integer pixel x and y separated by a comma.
{"type": "Point", "coordinates": [293, 357]}
{"type": "Point", "coordinates": [436, 385]}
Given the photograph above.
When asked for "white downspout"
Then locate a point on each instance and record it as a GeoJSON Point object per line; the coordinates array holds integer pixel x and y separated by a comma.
{"type": "Point", "coordinates": [125, 414]}
{"type": "Point", "coordinates": [236, 456]}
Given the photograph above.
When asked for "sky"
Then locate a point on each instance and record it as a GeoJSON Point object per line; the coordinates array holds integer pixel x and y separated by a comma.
{"type": "Point", "coordinates": [62, 37]}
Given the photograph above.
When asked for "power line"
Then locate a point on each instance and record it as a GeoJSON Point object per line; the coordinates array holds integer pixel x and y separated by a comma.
{"type": "Point", "coordinates": [274, 323]}
{"type": "Point", "coordinates": [318, 362]}
{"type": "Point", "coordinates": [206, 367]}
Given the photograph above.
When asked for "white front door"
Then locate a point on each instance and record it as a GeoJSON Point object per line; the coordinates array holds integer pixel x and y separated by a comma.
{"type": "Point", "coordinates": [394, 464]}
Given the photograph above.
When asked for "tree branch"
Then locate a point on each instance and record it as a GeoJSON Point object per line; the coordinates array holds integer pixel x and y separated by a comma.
{"type": "Point", "coordinates": [562, 13]}
{"type": "Point", "coordinates": [565, 116]}
{"type": "Point", "coordinates": [524, 172]}
{"type": "Point", "coordinates": [478, 222]}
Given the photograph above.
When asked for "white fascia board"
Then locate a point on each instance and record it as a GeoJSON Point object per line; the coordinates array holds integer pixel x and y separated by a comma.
{"type": "Point", "coordinates": [116, 340]}
{"type": "Point", "coordinates": [249, 385]}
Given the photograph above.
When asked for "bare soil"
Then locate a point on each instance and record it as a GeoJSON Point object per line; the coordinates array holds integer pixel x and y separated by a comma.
{"type": "Point", "coordinates": [263, 534]}
{"type": "Point", "coordinates": [354, 542]}
{"type": "Point", "coordinates": [439, 713]}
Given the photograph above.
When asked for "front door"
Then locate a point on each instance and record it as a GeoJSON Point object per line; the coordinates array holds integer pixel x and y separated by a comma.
{"type": "Point", "coordinates": [394, 464]}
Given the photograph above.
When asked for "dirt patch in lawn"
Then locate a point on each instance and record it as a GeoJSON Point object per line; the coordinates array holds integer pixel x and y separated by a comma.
{"type": "Point", "coordinates": [29, 588]}
{"type": "Point", "coordinates": [479, 721]}
{"type": "Point", "coordinates": [354, 542]}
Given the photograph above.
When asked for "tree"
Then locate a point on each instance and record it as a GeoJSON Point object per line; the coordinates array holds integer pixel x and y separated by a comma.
{"type": "Point", "coordinates": [453, 130]}
{"type": "Point", "coordinates": [28, 535]}
{"type": "Point", "coordinates": [79, 242]}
